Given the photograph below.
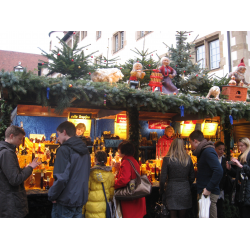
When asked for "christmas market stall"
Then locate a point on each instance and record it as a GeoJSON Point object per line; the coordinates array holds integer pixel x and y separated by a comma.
{"type": "Point", "coordinates": [112, 110]}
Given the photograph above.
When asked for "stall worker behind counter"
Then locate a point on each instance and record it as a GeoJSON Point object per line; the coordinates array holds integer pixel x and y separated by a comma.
{"type": "Point", "coordinates": [80, 129]}
{"type": "Point", "coordinates": [165, 141]}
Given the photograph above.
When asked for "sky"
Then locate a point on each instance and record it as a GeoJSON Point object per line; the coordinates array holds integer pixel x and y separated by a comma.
{"type": "Point", "coordinates": [28, 42]}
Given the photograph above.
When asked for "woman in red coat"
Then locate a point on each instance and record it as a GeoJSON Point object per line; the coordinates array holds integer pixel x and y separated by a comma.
{"type": "Point", "coordinates": [133, 208]}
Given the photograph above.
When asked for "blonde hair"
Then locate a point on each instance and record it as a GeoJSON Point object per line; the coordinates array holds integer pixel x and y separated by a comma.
{"type": "Point", "coordinates": [177, 152]}
{"type": "Point", "coordinates": [135, 65]}
{"type": "Point", "coordinates": [245, 141]}
{"type": "Point", "coordinates": [169, 128]}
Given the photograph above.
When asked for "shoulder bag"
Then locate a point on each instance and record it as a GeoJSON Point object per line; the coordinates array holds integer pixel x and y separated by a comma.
{"type": "Point", "coordinates": [108, 213]}
{"type": "Point", "coordinates": [136, 188]}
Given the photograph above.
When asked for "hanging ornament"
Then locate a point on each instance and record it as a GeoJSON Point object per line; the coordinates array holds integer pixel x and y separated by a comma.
{"type": "Point", "coordinates": [74, 33]}
{"type": "Point", "coordinates": [91, 56]}
{"type": "Point", "coordinates": [89, 73]}
{"type": "Point", "coordinates": [105, 61]}
{"type": "Point", "coordinates": [105, 99]}
{"type": "Point", "coordinates": [196, 75]}
{"type": "Point", "coordinates": [79, 67]}
{"type": "Point", "coordinates": [182, 110]}
{"type": "Point", "coordinates": [184, 71]}
{"type": "Point", "coordinates": [231, 119]}
{"type": "Point", "coordinates": [204, 75]}
{"type": "Point", "coordinates": [149, 65]}
{"type": "Point", "coordinates": [174, 93]}
{"type": "Point", "coordinates": [121, 68]}
{"type": "Point", "coordinates": [48, 89]}
{"type": "Point", "coordinates": [137, 61]}
{"type": "Point", "coordinates": [70, 85]}
{"type": "Point", "coordinates": [72, 60]}
{"type": "Point", "coordinates": [175, 65]}
{"type": "Point", "coordinates": [58, 54]}
{"type": "Point", "coordinates": [152, 55]}
{"type": "Point", "coordinates": [189, 55]}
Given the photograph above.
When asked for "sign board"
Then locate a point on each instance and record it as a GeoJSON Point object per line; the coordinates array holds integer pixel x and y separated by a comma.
{"type": "Point", "coordinates": [121, 126]}
{"type": "Point", "coordinates": [158, 124]}
{"type": "Point", "coordinates": [77, 118]}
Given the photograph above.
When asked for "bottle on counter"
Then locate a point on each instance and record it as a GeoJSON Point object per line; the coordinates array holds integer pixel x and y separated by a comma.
{"type": "Point", "coordinates": [42, 177]}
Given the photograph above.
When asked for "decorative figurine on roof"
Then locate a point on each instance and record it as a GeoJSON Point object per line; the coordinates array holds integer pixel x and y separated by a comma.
{"type": "Point", "coordinates": [168, 73]}
{"type": "Point", "coordinates": [135, 75]}
{"type": "Point", "coordinates": [215, 92]}
{"type": "Point", "coordinates": [239, 74]}
{"type": "Point", "coordinates": [111, 75]}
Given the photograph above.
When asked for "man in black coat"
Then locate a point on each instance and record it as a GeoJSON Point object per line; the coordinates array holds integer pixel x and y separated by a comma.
{"type": "Point", "coordinates": [13, 199]}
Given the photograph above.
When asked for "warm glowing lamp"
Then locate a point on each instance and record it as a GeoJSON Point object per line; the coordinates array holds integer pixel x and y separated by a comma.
{"type": "Point", "coordinates": [209, 128]}
{"type": "Point", "coordinates": [187, 127]}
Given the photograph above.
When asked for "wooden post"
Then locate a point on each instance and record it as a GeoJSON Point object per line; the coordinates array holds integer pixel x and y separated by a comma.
{"type": "Point", "coordinates": [227, 131]}
{"type": "Point", "coordinates": [133, 129]}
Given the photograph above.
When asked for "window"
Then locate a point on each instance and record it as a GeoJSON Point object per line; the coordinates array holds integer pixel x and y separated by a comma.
{"type": "Point", "coordinates": [18, 68]}
{"type": "Point", "coordinates": [98, 34]}
{"type": "Point", "coordinates": [214, 49]}
{"type": "Point", "coordinates": [83, 34]}
{"type": "Point", "coordinates": [98, 59]}
{"type": "Point", "coordinates": [77, 37]}
{"type": "Point", "coordinates": [200, 55]}
{"type": "Point", "coordinates": [141, 34]}
{"type": "Point", "coordinates": [118, 41]}
{"type": "Point", "coordinates": [69, 43]}
{"type": "Point", "coordinates": [209, 51]}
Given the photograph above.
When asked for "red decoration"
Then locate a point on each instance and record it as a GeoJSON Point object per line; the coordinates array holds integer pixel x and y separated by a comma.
{"type": "Point", "coordinates": [91, 56]}
{"type": "Point", "coordinates": [120, 68]}
{"type": "Point", "coordinates": [58, 54]}
{"type": "Point", "coordinates": [175, 65]}
{"type": "Point", "coordinates": [70, 85]}
{"type": "Point", "coordinates": [149, 65]}
{"type": "Point", "coordinates": [72, 60]}
{"type": "Point", "coordinates": [42, 63]}
{"type": "Point", "coordinates": [152, 54]}
{"type": "Point", "coordinates": [137, 61]}
{"type": "Point", "coordinates": [89, 73]}
{"type": "Point", "coordinates": [189, 55]}
{"type": "Point", "coordinates": [184, 71]}
{"type": "Point", "coordinates": [105, 61]}
{"type": "Point", "coordinates": [196, 75]}
{"type": "Point", "coordinates": [174, 93]}
{"type": "Point", "coordinates": [74, 33]}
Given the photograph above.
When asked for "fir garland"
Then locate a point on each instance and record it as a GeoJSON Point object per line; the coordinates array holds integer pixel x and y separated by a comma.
{"type": "Point", "coordinates": [5, 112]}
{"type": "Point", "coordinates": [28, 88]}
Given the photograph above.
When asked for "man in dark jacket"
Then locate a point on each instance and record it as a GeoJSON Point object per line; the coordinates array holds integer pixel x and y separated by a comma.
{"type": "Point", "coordinates": [209, 172]}
{"type": "Point", "coordinates": [13, 199]}
{"type": "Point", "coordinates": [71, 173]}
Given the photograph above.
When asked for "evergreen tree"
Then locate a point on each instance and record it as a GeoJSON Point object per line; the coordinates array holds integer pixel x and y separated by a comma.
{"type": "Point", "coordinates": [104, 62]}
{"type": "Point", "coordinates": [71, 62]}
{"type": "Point", "coordinates": [148, 64]}
{"type": "Point", "coordinates": [190, 77]}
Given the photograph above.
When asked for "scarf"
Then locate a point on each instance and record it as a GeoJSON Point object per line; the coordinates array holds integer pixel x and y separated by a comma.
{"type": "Point", "coordinates": [162, 69]}
{"type": "Point", "coordinates": [203, 144]}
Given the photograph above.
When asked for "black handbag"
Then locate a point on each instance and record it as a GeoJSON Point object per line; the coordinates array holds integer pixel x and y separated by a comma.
{"type": "Point", "coordinates": [161, 210]}
{"type": "Point", "coordinates": [108, 213]}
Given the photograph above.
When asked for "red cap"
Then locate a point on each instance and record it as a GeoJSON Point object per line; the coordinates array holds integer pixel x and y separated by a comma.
{"type": "Point", "coordinates": [242, 64]}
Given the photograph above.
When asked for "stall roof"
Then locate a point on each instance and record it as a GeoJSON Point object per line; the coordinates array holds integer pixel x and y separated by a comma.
{"type": "Point", "coordinates": [34, 110]}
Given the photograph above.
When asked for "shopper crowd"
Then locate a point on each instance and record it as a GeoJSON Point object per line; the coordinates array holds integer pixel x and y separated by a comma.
{"type": "Point", "coordinates": [81, 191]}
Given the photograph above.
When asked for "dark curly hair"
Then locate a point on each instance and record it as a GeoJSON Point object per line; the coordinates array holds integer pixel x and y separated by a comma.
{"type": "Point", "coordinates": [101, 157]}
{"type": "Point", "coordinates": [127, 148]}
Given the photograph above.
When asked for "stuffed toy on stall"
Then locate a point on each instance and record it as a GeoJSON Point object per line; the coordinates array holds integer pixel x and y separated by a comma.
{"type": "Point", "coordinates": [111, 75]}
{"type": "Point", "coordinates": [239, 74]}
{"type": "Point", "coordinates": [135, 75]}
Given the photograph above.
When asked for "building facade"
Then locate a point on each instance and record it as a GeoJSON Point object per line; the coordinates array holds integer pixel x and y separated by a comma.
{"type": "Point", "coordinates": [17, 61]}
{"type": "Point", "coordinates": [219, 51]}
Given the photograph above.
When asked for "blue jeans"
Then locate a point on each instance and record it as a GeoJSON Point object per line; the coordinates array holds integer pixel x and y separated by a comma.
{"type": "Point", "coordinates": [59, 211]}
